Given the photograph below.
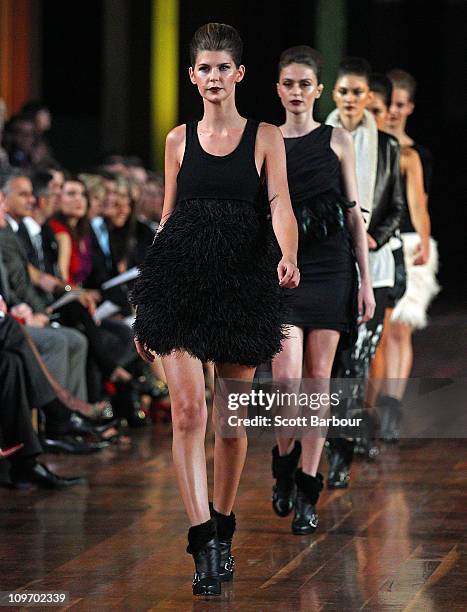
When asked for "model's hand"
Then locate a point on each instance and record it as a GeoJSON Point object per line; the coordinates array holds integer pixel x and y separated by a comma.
{"type": "Point", "coordinates": [143, 351]}
{"type": "Point", "coordinates": [366, 302]}
{"type": "Point", "coordinates": [422, 254]}
{"type": "Point", "coordinates": [288, 273]}
{"type": "Point", "coordinates": [372, 245]}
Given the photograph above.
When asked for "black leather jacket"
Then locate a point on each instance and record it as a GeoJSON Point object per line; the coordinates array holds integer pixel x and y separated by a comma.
{"type": "Point", "coordinates": [388, 200]}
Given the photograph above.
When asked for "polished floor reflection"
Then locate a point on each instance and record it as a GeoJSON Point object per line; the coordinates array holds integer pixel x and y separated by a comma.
{"type": "Point", "coordinates": [395, 540]}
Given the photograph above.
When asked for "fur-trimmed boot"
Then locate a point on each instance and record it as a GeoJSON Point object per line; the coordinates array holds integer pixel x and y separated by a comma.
{"type": "Point", "coordinates": [203, 544]}
{"type": "Point", "coordinates": [308, 489]}
{"type": "Point", "coordinates": [225, 530]}
{"type": "Point", "coordinates": [283, 470]}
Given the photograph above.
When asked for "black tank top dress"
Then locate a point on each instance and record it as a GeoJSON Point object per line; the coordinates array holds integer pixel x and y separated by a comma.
{"type": "Point", "coordinates": [326, 297]}
{"type": "Point", "coordinates": [208, 284]}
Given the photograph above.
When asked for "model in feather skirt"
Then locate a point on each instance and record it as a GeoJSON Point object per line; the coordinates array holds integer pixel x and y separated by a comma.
{"type": "Point", "coordinates": [211, 286]}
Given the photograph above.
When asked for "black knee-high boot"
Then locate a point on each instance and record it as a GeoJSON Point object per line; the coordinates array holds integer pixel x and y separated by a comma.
{"type": "Point", "coordinates": [283, 470]}
{"type": "Point", "coordinates": [308, 490]}
{"type": "Point", "coordinates": [204, 546]}
{"type": "Point", "coordinates": [225, 530]}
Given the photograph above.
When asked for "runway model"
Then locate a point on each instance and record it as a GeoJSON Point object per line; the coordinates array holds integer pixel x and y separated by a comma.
{"type": "Point", "coordinates": [420, 253]}
{"type": "Point", "coordinates": [211, 286]}
{"type": "Point", "coordinates": [379, 188]}
{"type": "Point", "coordinates": [325, 306]}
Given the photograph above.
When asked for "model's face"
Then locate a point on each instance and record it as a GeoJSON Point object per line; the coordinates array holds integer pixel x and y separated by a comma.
{"type": "Point", "coordinates": [20, 199]}
{"type": "Point", "coordinates": [351, 94]}
{"type": "Point", "coordinates": [401, 107]}
{"type": "Point", "coordinates": [379, 109]}
{"type": "Point", "coordinates": [298, 88]}
{"type": "Point", "coordinates": [73, 201]}
{"type": "Point", "coordinates": [215, 74]}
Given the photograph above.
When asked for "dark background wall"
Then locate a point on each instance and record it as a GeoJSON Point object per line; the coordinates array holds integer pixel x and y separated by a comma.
{"type": "Point", "coordinates": [95, 77]}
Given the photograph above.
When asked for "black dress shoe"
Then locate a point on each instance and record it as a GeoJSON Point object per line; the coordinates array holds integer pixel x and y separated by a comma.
{"type": "Point", "coordinates": [206, 580]}
{"type": "Point", "coordinates": [100, 428]}
{"type": "Point", "coordinates": [71, 444]}
{"type": "Point", "coordinates": [40, 475]}
{"type": "Point", "coordinates": [339, 452]}
{"type": "Point", "coordinates": [309, 487]}
{"type": "Point", "coordinates": [76, 425]}
{"type": "Point", "coordinates": [283, 470]}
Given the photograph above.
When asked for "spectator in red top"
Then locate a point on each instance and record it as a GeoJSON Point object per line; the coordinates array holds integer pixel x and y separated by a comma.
{"type": "Point", "coordinates": [71, 227]}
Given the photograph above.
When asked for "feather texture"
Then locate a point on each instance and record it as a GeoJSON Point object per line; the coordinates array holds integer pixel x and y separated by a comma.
{"type": "Point", "coordinates": [209, 285]}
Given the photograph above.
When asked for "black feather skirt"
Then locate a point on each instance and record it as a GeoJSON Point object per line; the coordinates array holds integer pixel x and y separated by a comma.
{"type": "Point", "coordinates": [209, 285]}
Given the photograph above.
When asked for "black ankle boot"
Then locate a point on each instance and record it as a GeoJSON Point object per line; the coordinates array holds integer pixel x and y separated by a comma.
{"type": "Point", "coordinates": [308, 490]}
{"type": "Point", "coordinates": [365, 439]}
{"type": "Point", "coordinates": [283, 470]}
{"type": "Point", "coordinates": [339, 452]}
{"type": "Point", "coordinates": [225, 530]}
{"type": "Point", "coordinates": [391, 417]}
{"type": "Point", "coordinates": [204, 546]}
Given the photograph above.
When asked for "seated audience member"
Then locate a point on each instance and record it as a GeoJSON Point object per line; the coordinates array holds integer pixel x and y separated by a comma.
{"type": "Point", "coordinates": [19, 140]}
{"type": "Point", "coordinates": [56, 184]}
{"type": "Point", "coordinates": [41, 117]}
{"type": "Point", "coordinates": [149, 205]}
{"type": "Point", "coordinates": [35, 233]}
{"type": "Point", "coordinates": [129, 237]}
{"type": "Point", "coordinates": [104, 266]}
{"type": "Point", "coordinates": [96, 194]}
{"type": "Point", "coordinates": [71, 228]}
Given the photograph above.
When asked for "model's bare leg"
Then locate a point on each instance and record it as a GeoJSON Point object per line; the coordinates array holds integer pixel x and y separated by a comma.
{"type": "Point", "coordinates": [288, 365]}
{"type": "Point", "coordinates": [377, 374]}
{"type": "Point", "coordinates": [320, 350]}
{"type": "Point", "coordinates": [399, 359]}
{"type": "Point", "coordinates": [189, 417]}
{"type": "Point", "coordinates": [158, 369]}
{"type": "Point", "coordinates": [229, 453]}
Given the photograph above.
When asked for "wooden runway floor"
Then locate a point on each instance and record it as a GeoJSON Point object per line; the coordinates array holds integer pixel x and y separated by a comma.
{"type": "Point", "coordinates": [395, 540]}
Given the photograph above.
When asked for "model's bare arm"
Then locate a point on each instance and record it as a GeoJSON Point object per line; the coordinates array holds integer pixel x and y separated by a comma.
{"type": "Point", "coordinates": [342, 144]}
{"type": "Point", "coordinates": [417, 201]}
{"type": "Point", "coordinates": [283, 218]}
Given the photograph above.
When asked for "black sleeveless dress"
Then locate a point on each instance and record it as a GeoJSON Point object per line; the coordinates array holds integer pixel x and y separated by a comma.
{"type": "Point", "coordinates": [326, 297]}
{"type": "Point", "coordinates": [209, 284]}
